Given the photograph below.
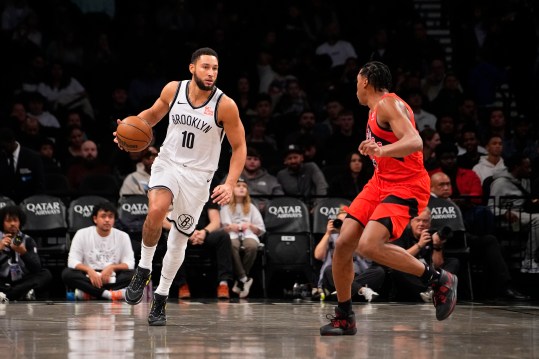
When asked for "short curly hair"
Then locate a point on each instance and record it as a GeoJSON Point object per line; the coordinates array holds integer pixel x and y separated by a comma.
{"type": "Point", "coordinates": [106, 207]}
{"type": "Point", "coordinates": [14, 212]}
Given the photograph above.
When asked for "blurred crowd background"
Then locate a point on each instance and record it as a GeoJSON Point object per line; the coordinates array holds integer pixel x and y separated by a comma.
{"type": "Point", "coordinates": [87, 63]}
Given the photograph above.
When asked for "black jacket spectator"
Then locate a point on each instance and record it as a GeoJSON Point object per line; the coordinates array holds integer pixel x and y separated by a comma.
{"type": "Point", "coordinates": [21, 168]}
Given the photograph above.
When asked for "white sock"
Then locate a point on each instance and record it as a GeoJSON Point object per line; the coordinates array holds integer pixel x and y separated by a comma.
{"type": "Point", "coordinates": [244, 279]}
{"type": "Point", "coordinates": [146, 256]}
{"type": "Point", "coordinates": [107, 294]}
{"type": "Point", "coordinates": [223, 282]}
{"type": "Point", "coordinates": [176, 244]}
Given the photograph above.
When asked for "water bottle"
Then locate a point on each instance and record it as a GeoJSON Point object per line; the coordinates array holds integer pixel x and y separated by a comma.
{"type": "Point", "coordinates": [296, 291]}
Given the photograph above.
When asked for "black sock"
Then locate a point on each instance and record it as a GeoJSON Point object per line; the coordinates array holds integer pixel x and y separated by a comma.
{"type": "Point", "coordinates": [346, 307]}
{"type": "Point", "coordinates": [430, 275]}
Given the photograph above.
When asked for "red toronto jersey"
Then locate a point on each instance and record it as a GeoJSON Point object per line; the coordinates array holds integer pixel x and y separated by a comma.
{"type": "Point", "coordinates": [393, 169]}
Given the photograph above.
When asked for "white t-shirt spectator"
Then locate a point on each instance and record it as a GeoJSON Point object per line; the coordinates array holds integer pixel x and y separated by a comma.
{"type": "Point", "coordinates": [97, 252]}
{"type": "Point", "coordinates": [339, 52]}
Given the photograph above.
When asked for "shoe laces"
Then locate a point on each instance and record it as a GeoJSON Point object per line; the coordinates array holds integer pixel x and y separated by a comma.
{"type": "Point", "coordinates": [440, 294]}
{"type": "Point", "coordinates": [337, 321]}
{"type": "Point", "coordinates": [158, 307]}
{"type": "Point", "coordinates": [139, 280]}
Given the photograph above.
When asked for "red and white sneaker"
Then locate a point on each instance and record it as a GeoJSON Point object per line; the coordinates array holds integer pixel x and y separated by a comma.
{"type": "Point", "coordinates": [445, 294]}
{"type": "Point", "coordinates": [340, 324]}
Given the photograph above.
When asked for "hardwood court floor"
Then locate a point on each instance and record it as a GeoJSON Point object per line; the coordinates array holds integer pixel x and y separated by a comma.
{"type": "Point", "coordinates": [264, 329]}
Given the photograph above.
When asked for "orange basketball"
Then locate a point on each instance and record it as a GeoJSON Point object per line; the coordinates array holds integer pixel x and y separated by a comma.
{"type": "Point", "coordinates": [134, 134]}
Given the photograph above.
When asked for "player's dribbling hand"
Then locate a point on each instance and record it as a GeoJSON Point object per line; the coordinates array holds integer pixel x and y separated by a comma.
{"type": "Point", "coordinates": [118, 121]}
{"type": "Point", "coordinates": [369, 148]}
{"type": "Point", "coordinates": [222, 194]}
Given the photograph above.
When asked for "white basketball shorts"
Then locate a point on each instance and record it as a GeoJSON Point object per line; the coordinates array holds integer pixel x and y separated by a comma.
{"type": "Point", "coordinates": [190, 190]}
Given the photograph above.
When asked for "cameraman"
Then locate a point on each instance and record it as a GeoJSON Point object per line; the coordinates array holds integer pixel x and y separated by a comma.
{"type": "Point", "coordinates": [426, 245]}
{"type": "Point", "coordinates": [21, 275]}
{"type": "Point", "coordinates": [324, 252]}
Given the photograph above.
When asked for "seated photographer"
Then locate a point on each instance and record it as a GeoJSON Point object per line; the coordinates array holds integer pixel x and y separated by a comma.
{"type": "Point", "coordinates": [324, 252]}
{"type": "Point", "coordinates": [21, 274]}
{"type": "Point", "coordinates": [484, 249]}
{"type": "Point", "coordinates": [425, 244]}
{"type": "Point", "coordinates": [101, 259]}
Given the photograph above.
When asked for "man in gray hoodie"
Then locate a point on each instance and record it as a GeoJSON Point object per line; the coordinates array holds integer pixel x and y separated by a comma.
{"type": "Point", "coordinates": [137, 182]}
{"type": "Point", "coordinates": [259, 181]}
{"type": "Point", "coordinates": [300, 178]}
{"type": "Point", "coordinates": [510, 189]}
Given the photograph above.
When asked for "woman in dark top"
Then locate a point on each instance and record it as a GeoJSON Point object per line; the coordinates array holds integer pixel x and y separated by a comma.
{"type": "Point", "coordinates": [431, 139]}
{"type": "Point", "coordinates": [349, 183]}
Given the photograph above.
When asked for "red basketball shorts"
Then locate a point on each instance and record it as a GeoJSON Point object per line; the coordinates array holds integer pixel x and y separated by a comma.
{"type": "Point", "coordinates": [391, 203]}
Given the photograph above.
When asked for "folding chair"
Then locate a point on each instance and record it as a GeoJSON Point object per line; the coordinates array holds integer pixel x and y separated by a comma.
{"type": "Point", "coordinates": [325, 210]}
{"type": "Point", "coordinates": [288, 241]}
{"type": "Point", "coordinates": [46, 223]}
{"type": "Point", "coordinates": [132, 211]}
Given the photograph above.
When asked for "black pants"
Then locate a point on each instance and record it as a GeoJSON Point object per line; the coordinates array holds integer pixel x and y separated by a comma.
{"type": "Point", "coordinates": [373, 277]}
{"type": "Point", "coordinates": [218, 243]}
{"type": "Point", "coordinates": [39, 282]}
{"type": "Point", "coordinates": [76, 279]}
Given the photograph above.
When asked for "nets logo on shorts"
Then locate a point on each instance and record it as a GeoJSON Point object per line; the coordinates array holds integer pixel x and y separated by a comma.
{"type": "Point", "coordinates": [185, 221]}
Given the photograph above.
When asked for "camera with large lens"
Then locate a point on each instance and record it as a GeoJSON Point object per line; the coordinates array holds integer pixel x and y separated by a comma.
{"type": "Point", "coordinates": [17, 240]}
{"type": "Point", "coordinates": [445, 233]}
{"type": "Point", "coordinates": [337, 223]}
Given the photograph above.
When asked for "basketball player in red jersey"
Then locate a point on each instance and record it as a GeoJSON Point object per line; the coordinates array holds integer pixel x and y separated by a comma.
{"type": "Point", "coordinates": [397, 192]}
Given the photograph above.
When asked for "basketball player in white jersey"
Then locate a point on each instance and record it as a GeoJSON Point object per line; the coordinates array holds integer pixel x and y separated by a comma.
{"type": "Point", "coordinates": [199, 116]}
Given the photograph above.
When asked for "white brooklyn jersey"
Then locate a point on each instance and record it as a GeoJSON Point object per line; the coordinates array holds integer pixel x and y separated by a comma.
{"type": "Point", "coordinates": [193, 135]}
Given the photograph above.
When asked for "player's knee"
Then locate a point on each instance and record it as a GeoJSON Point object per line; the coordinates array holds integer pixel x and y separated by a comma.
{"type": "Point", "coordinates": [365, 248]}
{"type": "Point", "coordinates": [345, 244]}
{"type": "Point", "coordinates": [361, 248]}
{"type": "Point", "coordinates": [156, 215]}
